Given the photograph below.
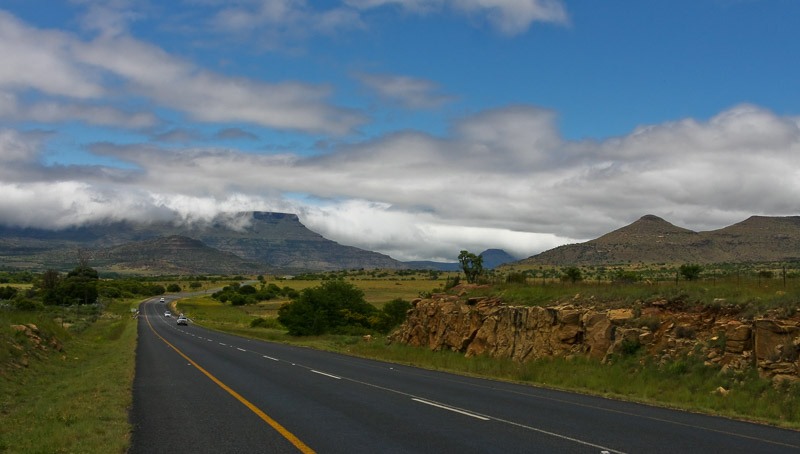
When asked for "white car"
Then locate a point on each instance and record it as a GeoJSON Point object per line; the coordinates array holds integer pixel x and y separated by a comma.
{"type": "Point", "coordinates": [183, 320]}
{"type": "Point", "coordinates": [168, 314]}
{"type": "Point", "coordinates": [162, 300]}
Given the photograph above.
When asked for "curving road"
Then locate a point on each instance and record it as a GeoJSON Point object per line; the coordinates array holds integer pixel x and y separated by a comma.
{"type": "Point", "coordinates": [200, 391]}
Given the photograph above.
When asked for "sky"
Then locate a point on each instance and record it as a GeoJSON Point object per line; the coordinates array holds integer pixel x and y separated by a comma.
{"type": "Point", "coordinates": [414, 128]}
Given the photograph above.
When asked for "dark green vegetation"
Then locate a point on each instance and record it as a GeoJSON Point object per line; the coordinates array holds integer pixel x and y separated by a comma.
{"type": "Point", "coordinates": [338, 307]}
{"type": "Point", "coordinates": [80, 286]}
{"type": "Point", "coordinates": [240, 294]}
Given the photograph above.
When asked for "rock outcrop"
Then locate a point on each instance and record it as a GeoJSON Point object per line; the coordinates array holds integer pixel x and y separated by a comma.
{"type": "Point", "coordinates": [486, 326]}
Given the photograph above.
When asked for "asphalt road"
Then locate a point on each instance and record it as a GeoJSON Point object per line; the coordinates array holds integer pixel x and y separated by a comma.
{"type": "Point", "coordinates": [200, 391]}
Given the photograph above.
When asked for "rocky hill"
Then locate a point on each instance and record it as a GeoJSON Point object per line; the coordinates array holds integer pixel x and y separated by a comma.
{"type": "Point", "coordinates": [231, 243]}
{"type": "Point", "coordinates": [654, 240]}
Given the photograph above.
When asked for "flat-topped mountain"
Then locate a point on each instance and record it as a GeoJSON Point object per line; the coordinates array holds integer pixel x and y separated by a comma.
{"type": "Point", "coordinates": [244, 242]}
{"type": "Point", "coordinates": [651, 239]}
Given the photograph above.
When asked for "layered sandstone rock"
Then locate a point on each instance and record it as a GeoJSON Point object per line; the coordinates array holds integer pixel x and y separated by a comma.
{"type": "Point", "coordinates": [486, 326]}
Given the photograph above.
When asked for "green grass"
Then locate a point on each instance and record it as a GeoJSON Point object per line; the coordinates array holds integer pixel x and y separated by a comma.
{"type": "Point", "coordinates": [76, 400]}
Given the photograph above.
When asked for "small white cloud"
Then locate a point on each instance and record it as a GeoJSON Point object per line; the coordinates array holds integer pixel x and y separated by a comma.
{"type": "Point", "coordinates": [406, 91]}
{"type": "Point", "coordinates": [510, 17]}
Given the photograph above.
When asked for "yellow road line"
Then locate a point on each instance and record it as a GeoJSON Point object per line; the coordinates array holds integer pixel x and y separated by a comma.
{"type": "Point", "coordinates": [302, 447]}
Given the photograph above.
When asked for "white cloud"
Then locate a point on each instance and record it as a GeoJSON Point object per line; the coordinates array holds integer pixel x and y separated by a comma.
{"type": "Point", "coordinates": [60, 64]}
{"type": "Point", "coordinates": [108, 17]}
{"type": "Point", "coordinates": [503, 178]}
{"type": "Point", "coordinates": [406, 91]}
{"type": "Point", "coordinates": [17, 148]}
{"type": "Point", "coordinates": [282, 18]}
{"type": "Point", "coordinates": [58, 112]}
{"type": "Point", "coordinates": [42, 60]}
{"type": "Point", "coordinates": [514, 16]}
{"type": "Point", "coordinates": [510, 17]}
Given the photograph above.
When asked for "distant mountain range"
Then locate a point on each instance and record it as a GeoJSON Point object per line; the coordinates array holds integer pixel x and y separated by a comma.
{"type": "Point", "coordinates": [654, 240]}
{"type": "Point", "coordinates": [492, 258]}
{"type": "Point", "coordinates": [235, 243]}
{"type": "Point", "coordinates": [261, 242]}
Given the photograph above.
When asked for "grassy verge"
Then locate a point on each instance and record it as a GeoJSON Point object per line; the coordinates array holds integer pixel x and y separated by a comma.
{"type": "Point", "coordinates": [76, 400]}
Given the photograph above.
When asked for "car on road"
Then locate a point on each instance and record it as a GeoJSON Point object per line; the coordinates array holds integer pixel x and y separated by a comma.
{"type": "Point", "coordinates": [168, 314]}
{"type": "Point", "coordinates": [183, 320]}
{"type": "Point", "coordinates": [162, 300]}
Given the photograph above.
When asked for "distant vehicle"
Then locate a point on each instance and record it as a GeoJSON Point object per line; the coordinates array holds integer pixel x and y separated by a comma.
{"type": "Point", "coordinates": [168, 314]}
{"type": "Point", "coordinates": [183, 320]}
{"type": "Point", "coordinates": [162, 300]}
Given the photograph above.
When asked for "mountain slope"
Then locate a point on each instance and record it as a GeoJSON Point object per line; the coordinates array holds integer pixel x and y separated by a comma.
{"type": "Point", "coordinates": [171, 255]}
{"type": "Point", "coordinates": [274, 241]}
{"type": "Point", "coordinates": [651, 239]}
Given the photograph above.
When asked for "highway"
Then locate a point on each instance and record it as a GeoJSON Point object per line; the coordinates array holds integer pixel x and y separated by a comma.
{"type": "Point", "coordinates": [201, 391]}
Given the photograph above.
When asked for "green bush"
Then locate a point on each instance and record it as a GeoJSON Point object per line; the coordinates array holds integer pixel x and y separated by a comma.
{"type": "Point", "coordinates": [630, 346]}
{"type": "Point", "coordinates": [330, 307]}
{"type": "Point", "coordinates": [393, 313]}
{"type": "Point", "coordinates": [27, 304]}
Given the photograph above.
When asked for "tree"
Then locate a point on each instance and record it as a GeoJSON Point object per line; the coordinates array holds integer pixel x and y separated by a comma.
{"type": "Point", "coordinates": [330, 307]}
{"type": "Point", "coordinates": [51, 279]}
{"type": "Point", "coordinates": [572, 274]}
{"type": "Point", "coordinates": [80, 285]}
{"type": "Point", "coordinates": [472, 265]}
{"type": "Point", "coordinates": [690, 271]}
{"type": "Point", "coordinates": [393, 313]}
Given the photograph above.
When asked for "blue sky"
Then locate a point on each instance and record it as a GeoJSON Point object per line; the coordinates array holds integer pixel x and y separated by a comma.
{"type": "Point", "coordinates": [415, 128]}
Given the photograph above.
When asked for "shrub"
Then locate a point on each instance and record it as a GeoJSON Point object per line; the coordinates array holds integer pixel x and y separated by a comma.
{"type": "Point", "coordinates": [392, 314]}
{"type": "Point", "coordinates": [684, 332]}
{"type": "Point", "coordinates": [327, 308]}
{"type": "Point", "coordinates": [572, 274]}
{"type": "Point", "coordinates": [629, 346]}
{"type": "Point", "coordinates": [26, 304]}
{"type": "Point", "coordinates": [452, 282]}
{"type": "Point", "coordinates": [261, 322]}
{"type": "Point", "coordinates": [691, 272]}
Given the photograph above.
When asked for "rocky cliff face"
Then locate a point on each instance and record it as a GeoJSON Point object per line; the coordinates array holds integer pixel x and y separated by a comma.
{"type": "Point", "coordinates": [485, 326]}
